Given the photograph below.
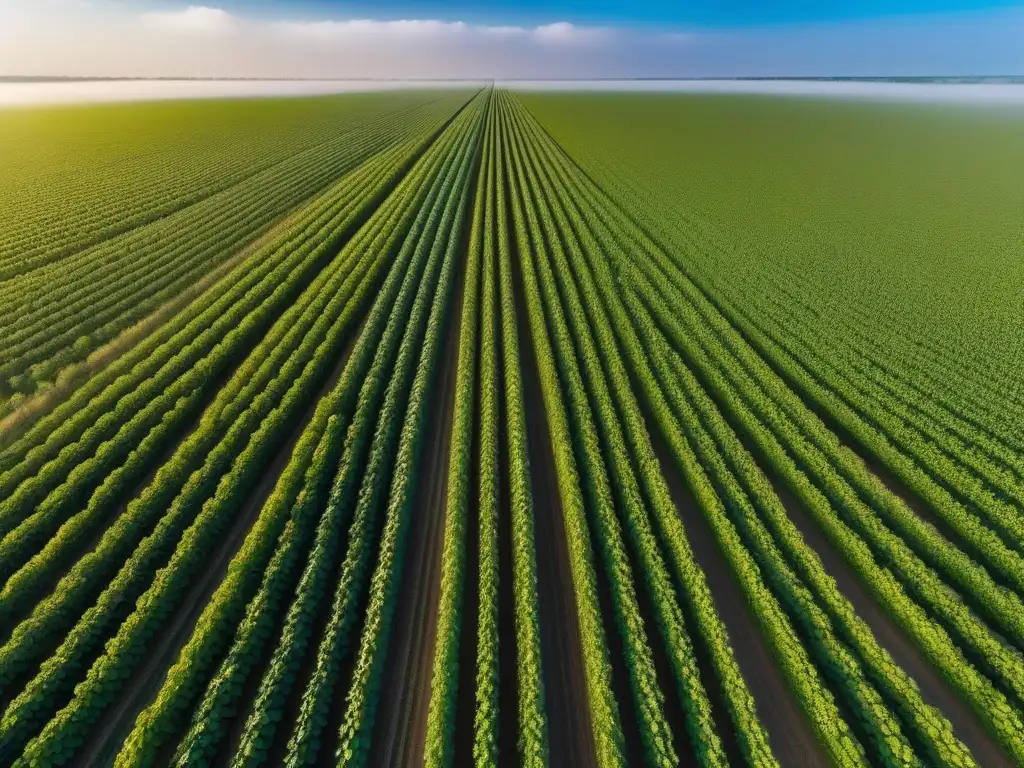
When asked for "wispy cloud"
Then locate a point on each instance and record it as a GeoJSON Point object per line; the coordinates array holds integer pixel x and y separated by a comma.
{"type": "Point", "coordinates": [430, 29]}
{"type": "Point", "coordinates": [365, 29]}
{"type": "Point", "coordinates": [565, 32]}
{"type": "Point", "coordinates": [194, 18]}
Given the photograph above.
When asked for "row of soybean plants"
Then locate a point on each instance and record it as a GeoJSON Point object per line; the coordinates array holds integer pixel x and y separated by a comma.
{"type": "Point", "coordinates": [103, 291]}
{"type": "Point", "coordinates": [925, 607]}
{"type": "Point", "coordinates": [977, 497]}
{"type": "Point", "coordinates": [162, 171]}
{"type": "Point", "coordinates": [989, 550]}
{"type": "Point", "coordinates": [978, 461]}
{"type": "Point", "coordinates": [926, 541]}
{"type": "Point", "coordinates": [66, 475]}
{"type": "Point", "coordinates": [967, 469]}
{"type": "Point", "coordinates": [102, 256]}
{"type": "Point", "coordinates": [588, 510]}
{"type": "Point", "coordinates": [943, 381]}
{"type": "Point", "coordinates": [971, 480]}
{"type": "Point", "coordinates": [961, 375]}
{"type": "Point", "coordinates": [263, 624]}
{"type": "Point", "coordinates": [106, 277]}
{"type": "Point", "coordinates": [946, 378]}
{"type": "Point", "coordinates": [968, 476]}
{"type": "Point", "coordinates": [993, 449]}
{"type": "Point", "coordinates": [895, 536]}
{"type": "Point", "coordinates": [380, 128]}
{"type": "Point", "coordinates": [733, 452]}
{"type": "Point", "coordinates": [808, 598]}
{"type": "Point", "coordinates": [488, 377]}
{"type": "Point", "coordinates": [608, 428]}
{"type": "Point", "coordinates": [647, 511]}
{"type": "Point", "coordinates": [315, 296]}
{"type": "Point", "coordinates": [155, 170]}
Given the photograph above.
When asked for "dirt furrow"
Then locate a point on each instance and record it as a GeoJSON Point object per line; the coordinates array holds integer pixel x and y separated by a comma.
{"type": "Point", "coordinates": [792, 738]}
{"type": "Point", "coordinates": [571, 741]}
{"type": "Point", "coordinates": [400, 730]}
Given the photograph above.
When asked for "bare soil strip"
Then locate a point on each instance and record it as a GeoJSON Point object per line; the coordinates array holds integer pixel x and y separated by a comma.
{"type": "Point", "coordinates": [792, 738]}
{"type": "Point", "coordinates": [571, 741]}
{"type": "Point", "coordinates": [399, 734]}
{"type": "Point", "coordinates": [934, 688]}
{"type": "Point", "coordinates": [675, 714]}
{"type": "Point", "coordinates": [674, 709]}
{"type": "Point", "coordinates": [105, 740]}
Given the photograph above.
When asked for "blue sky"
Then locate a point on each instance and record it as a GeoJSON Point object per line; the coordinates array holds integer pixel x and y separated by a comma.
{"type": "Point", "coordinates": [506, 39]}
{"type": "Point", "coordinates": [627, 13]}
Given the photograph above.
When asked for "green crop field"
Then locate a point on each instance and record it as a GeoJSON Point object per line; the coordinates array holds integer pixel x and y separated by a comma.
{"type": "Point", "coordinates": [457, 427]}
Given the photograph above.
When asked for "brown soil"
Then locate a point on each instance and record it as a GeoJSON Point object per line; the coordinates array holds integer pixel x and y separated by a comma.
{"type": "Point", "coordinates": [934, 688]}
{"type": "Point", "coordinates": [399, 734]}
{"type": "Point", "coordinates": [570, 739]}
{"type": "Point", "coordinates": [792, 738]}
{"type": "Point", "coordinates": [675, 714]}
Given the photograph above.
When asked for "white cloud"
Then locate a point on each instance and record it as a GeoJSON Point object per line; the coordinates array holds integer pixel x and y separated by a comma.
{"type": "Point", "coordinates": [113, 38]}
{"type": "Point", "coordinates": [565, 32]}
{"type": "Point", "coordinates": [370, 28]}
{"type": "Point", "coordinates": [432, 29]}
{"type": "Point", "coordinates": [194, 18]}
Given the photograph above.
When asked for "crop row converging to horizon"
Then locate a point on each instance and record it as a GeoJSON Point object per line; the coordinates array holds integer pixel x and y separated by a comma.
{"type": "Point", "coordinates": [450, 427]}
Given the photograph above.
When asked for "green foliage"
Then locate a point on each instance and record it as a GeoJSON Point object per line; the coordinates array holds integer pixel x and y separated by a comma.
{"type": "Point", "coordinates": [725, 308]}
{"type": "Point", "coordinates": [532, 720]}
{"type": "Point", "coordinates": [223, 612]}
{"type": "Point", "coordinates": [575, 485]}
{"type": "Point", "coordinates": [687, 301]}
{"type": "Point", "coordinates": [439, 747]}
{"type": "Point", "coordinates": [92, 293]}
{"type": "Point", "coordinates": [249, 410]}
